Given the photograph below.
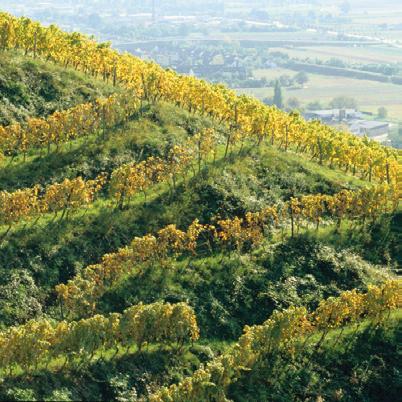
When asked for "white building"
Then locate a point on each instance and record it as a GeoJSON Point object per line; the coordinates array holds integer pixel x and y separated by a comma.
{"type": "Point", "coordinates": [370, 128]}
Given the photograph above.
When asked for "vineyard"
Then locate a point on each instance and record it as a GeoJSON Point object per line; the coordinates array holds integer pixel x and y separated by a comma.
{"type": "Point", "coordinates": [169, 240]}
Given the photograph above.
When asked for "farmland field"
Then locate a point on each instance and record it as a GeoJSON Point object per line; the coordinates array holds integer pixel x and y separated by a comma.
{"type": "Point", "coordinates": [325, 88]}
{"type": "Point", "coordinates": [268, 36]}
{"type": "Point", "coordinates": [349, 54]}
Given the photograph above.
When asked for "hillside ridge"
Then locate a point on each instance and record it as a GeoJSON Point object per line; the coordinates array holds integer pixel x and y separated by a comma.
{"type": "Point", "coordinates": [148, 228]}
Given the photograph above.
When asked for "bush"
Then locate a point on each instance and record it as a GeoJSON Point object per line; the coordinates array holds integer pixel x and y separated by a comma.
{"type": "Point", "coordinates": [62, 395]}
{"type": "Point", "coordinates": [21, 394]}
{"type": "Point", "coordinates": [203, 353]}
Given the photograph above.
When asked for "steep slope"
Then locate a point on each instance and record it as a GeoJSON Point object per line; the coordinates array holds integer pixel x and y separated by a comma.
{"type": "Point", "coordinates": [35, 88]}
{"type": "Point", "coordinates": [195, 213]}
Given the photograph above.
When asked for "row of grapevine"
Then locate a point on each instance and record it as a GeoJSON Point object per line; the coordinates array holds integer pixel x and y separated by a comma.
{"type": "Point", "coordinates": [399, 178]}
{"type": "Point", "coordinates": [245, 117]}
{"type": "Point", "coordinates": [133, 178]}
{"type": "Point", "coordinates": [284, 331]}
{"type": "Point", "coordinates": [66, 125]}
{"type": "Point", "coordinates": [80, 294]}
{"type": "Point", "coordinates": [41, 341]}
{"type": "Point", "coordinates": [127, 180]}
{"type": "Point", "coordinates": [24, 204]}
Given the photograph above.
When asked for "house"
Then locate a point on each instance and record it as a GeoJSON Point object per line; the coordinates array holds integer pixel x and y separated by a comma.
{"type": "Point", "coordinates": [369, 128]}
{"type": "Point", "coordinates": [352, 120]}
{"type": "Point", "coordinates": [329, 116]}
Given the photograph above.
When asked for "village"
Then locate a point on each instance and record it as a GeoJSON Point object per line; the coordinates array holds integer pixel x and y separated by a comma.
{"type": "Point", "coordinates": [356, 122]}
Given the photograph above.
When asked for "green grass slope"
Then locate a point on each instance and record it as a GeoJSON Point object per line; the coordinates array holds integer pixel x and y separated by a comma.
{"type": "Point", "coordinates": [357, 364]}
{"type": "Point", "coordinates": [35, 88]}
{"type": "Point", "coordinates": [51, 251]}
{"type": "Point", "coordinates": [227, 288]}
{"type": "Point", "coordinates": [362, 366]}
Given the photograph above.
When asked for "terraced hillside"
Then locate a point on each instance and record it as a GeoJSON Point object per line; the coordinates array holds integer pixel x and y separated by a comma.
{"type": "Point", "coordinates": [162, 239]}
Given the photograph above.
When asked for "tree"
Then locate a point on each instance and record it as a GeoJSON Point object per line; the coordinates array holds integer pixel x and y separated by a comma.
{"type": "Point", "coordinates": [278, 99]}
{"type": "Point", "coordinates": [301, 78]}
{"type": "Point", "coordinates": [336, 62]}
{"type": "Point", "coordinates": [316, 105]}
{"type": "Point", "coordinates": [20, 298]}
{"type": "Point", "coordinates": [268, 101]}
{"type": "Point", "coordinates": [341, 102]}
{"type": "Point", "coordinates": [293, 103]}
{"type": "Point", "coordinates": [345, 7]}
{"type": "Point", "coordinates": [259, 14]}
{"type": "Point", "coordinates": [382, 112]}
{"type": "Point", "coordinates": [285, 80]}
